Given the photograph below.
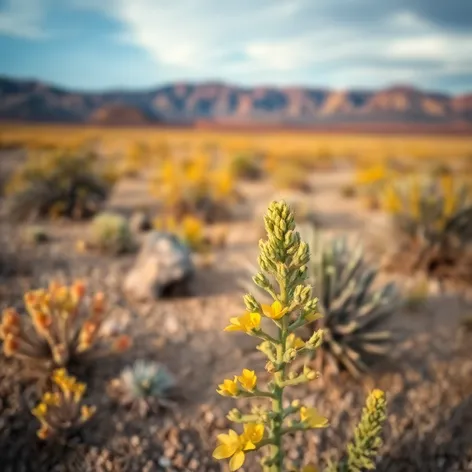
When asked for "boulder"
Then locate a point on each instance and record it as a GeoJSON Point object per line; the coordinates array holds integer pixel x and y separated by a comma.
{"type": "Point", "coordinates": [163, 268]}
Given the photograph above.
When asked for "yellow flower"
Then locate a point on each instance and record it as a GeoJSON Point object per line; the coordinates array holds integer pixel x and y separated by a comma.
{"type": "Point", "coordinates": [245, 323]}
{"type": "Point", "coordinates": [248, 379]}
{"type": "Point", "coordinates": [274, 311]}
{"type": "Point", "coordinates": [312, 418]}
{"type": "Point", "coordinates": [313, 317]}
{"type": "Point", "coordinates": [253, 432]}
{"type": "Point", "coordinates": [86, 412]}
{"type": "Point", "coordinates": [232, 445]}
{"type": "Point", "coordinates": [40, 411]}
{"type": "Point", "coordinates": [294, 341]}
{"type": "Point", "coordinates": [229, 388]}
{"type": "Point", "coordinates": [51, 399]}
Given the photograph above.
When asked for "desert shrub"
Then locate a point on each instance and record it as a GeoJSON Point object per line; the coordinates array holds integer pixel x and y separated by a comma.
{"type": "Point", "coordinates": [62, 328]}
{"type": "Point", "coordinates": [246, 166]}
{"type": "Point", "coordinates": [189, 230]}
{"type": "Point", "coordinates": [433, 218]}
{"type": "Point", "coordinates": [291, 176]}
{"type": "Point", "coordinates": [145, 386]}
{"type": "Point", "coordinates": [111, 233]}
{"type": "Point", "coordinates": [353, 311]}
{"type": "Point", "coordinates": [136, 158]}
{"type": "Point", "coordinates": [370, 181]}
{"type": "Point", "coordinates": [282, 276]}
{"type": "Point", "coordinates": [196, 187]}
{"type": "Point", "coordinates": [57, 185]}
{"type": "Point", "coordinates": [61, 410]}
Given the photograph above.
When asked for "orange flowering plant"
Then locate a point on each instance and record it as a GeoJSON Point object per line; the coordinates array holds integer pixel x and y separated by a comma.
{"type": "Point", "coordinates": [63, 323]}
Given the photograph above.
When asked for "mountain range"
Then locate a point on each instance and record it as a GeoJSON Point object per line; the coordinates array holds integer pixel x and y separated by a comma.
{"type": "Point", "coordinates": [219, 104]}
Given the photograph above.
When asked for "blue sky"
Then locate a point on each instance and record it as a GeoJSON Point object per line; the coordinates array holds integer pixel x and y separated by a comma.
{"type": "Point", "coordinates": [103, 44]}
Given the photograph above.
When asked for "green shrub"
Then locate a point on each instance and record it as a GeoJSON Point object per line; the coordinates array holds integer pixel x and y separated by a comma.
{"type": "Point", "coordinates": [111, 233]}
{"type": "Point", "coordinates": [57, 185]}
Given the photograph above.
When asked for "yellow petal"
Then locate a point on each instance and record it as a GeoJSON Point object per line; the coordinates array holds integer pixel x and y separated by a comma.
{"type": "Point", "coordinates": [224, 438]}
{"type": "Point", "coordinates": [276, 307]}
{"type": "Point", "coordinates": [249, 446]}
{"type": "Point", "coordinates": [236, 461]}
{"type": "Point", "coordinates": [313, 317]}
{"type": "Point", "coordinates": [267, 310]}
{"type": "Point", "coordinates": [222, 452]}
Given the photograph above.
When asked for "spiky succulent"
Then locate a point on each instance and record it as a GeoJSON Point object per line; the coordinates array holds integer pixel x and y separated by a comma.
{"type": "Point", "coordinates": [62, 326]}
{"type": "Point", "coordinates": [146, 385]}
{"type": "Point", "coordinates": [353, 310]}
{"type": "Point", "coordinates": [434, 216]}
{"type": "Point", "coordinates": [61, 409]}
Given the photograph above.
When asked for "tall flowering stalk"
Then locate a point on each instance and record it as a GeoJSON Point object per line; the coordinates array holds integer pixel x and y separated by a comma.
{"type": "Point", "coordinates": [283, 262]}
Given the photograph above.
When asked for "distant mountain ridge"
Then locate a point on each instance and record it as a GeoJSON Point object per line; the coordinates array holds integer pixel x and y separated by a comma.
{"type": "Point", "coordinates": [219, 103]}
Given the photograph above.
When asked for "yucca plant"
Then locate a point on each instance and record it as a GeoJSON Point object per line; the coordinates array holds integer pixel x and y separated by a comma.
{"type": "Point", "coordinates": [60, 184]}
{"type": "Point", "coordinates": [433, 216]}
{"type": "Point", "coordinates": [353, 310]}
{"type": "Point", "coordinates": [145, 386]}
{"type": "Point", "coordinates": [63, 327]}
{"type": "Point", "coordinates": [61, 411]}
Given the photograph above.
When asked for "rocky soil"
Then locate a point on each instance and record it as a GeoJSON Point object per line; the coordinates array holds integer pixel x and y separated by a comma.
{"type": "Point", "coordinates": [428, 377]}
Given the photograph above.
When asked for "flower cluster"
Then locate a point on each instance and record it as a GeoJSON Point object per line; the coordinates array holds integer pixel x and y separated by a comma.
{"type": "Point", "coordinates": [283, 258]}
{"type": "Point", "coordinates": [283, 263]}
{"type": "Point", "coordinates": [234, 445]}
{"type": "Point", "coordinates": [60, 326]}
{"type": "Point", "coordinates": [61, 409]}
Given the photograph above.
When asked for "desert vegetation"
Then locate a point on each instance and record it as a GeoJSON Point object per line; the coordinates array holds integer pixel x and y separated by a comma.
{"type": "Point", "coordinates": [201, 301]}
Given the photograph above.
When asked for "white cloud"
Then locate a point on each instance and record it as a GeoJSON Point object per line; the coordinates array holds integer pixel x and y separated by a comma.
{"type": "Point", "coordinates": [333, 42]}
{"type": "Point", "coordinates": [263, 40]}
{"type": "Point", "coordinates": [23, 18]}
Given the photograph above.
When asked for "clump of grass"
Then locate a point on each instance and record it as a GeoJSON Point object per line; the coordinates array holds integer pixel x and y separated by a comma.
{"type": "Point", "coordinates": [111, 233]}
{"type": "Point", "coordinates": [246, 167]}
{"type": "Point", "coordinates": [195, 187]}
{"type": "Point", "coordinates": [62, 327]}
{"type": "Point", "coordinates": [283, 271]}
{"type": "Point", "coordinates": [59, 184]}
{"type": "Point", "coordinates": [433, 218]}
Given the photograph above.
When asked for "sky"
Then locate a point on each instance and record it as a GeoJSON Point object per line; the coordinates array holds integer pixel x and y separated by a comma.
{"type": "Point", "coordinates": [110, 44]}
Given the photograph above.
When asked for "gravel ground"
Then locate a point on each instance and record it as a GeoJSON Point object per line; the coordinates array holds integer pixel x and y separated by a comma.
{"type": "Point", "coordinates": [428, 378]}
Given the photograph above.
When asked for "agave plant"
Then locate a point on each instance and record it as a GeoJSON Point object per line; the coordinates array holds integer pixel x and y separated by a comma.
{"type": "Point", "coordinates": [145, 386]}
{"type": "Point", "coordinates": [434, 216]}
{"type": "Point", "coordinates": [62, 327]}
{"type": "Point", "coordinates": [353, 311]}
{"type": "Point", "coordinates": [61, 410]}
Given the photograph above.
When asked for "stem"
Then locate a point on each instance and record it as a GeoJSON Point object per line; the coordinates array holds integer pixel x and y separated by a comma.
{"type": "Point", "coordinates": [277, 457]}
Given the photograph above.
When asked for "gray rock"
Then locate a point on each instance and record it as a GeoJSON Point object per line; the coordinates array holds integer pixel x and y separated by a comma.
{"type": "Point", "coordinates": [163, 268]}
